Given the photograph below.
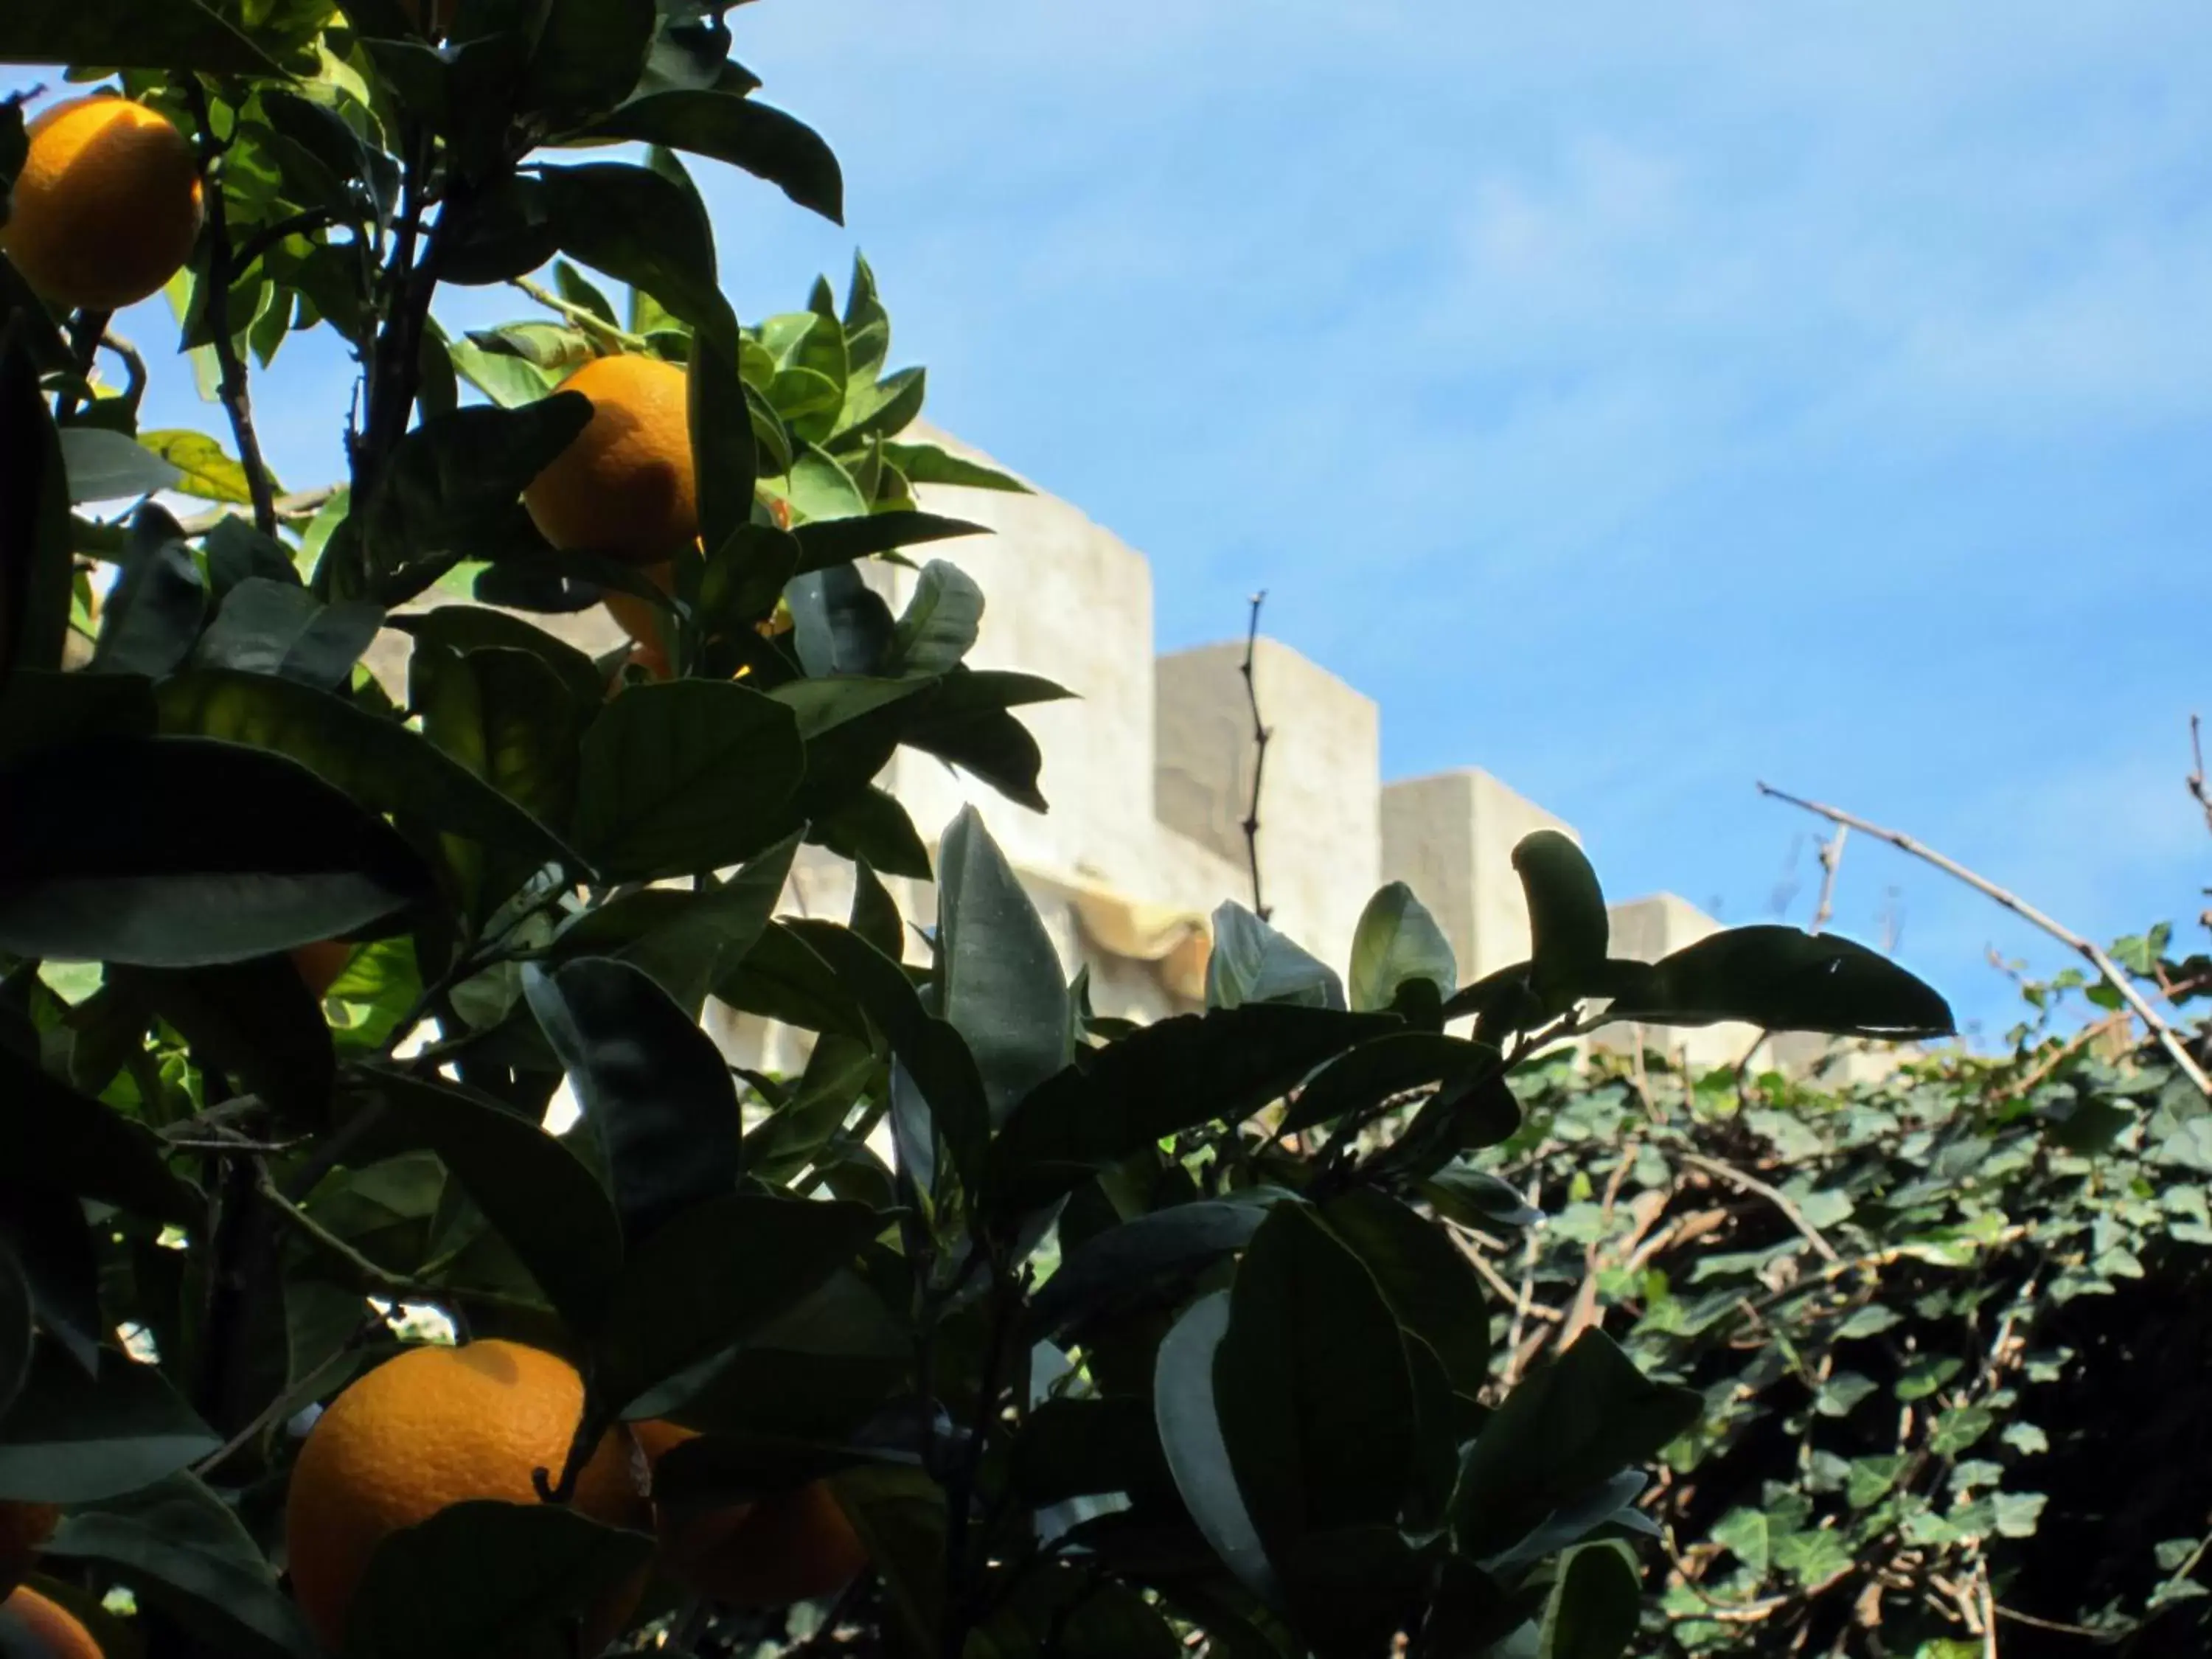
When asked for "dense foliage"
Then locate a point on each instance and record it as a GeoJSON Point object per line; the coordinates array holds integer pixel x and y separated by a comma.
{"type": "Point", "coordinates": [1951, 1331]}
{"type": "Point", "coordinates": [1138, 1340]}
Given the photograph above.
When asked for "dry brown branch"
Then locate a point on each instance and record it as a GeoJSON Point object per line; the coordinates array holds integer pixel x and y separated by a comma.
{"type": "Point", "coordinates": [1497, 1282]}
{"type": "Point", "coordinates": [1515, 1360]}
{"type": "Point", "coordinates": [2106, 967]}
{"type": "Point", "coordinates": [1773, 1195]}
{"type": "Point", "coordinates": [2073, 1045]}
{"type": "Point", "coordinates": [1260, 735]}
{"type": "Point", "coordinates": [1831, 859]}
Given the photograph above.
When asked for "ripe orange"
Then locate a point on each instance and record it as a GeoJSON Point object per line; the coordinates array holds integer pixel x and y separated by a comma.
{"type": "Point", "coordinates": [433, 1427]}
{"type": "Point", "coordinates": [793, 1547]}
{"type": "Point", "coordinates": [108, 205]}
{"type": "Point", "coordinates": [34, 1624]}
{"type": "Point", "coordinates": [641, 618]}
{"type": "Point", "coordinates": [320, 963]}
{"type": "Point", "coordinates": [624, 486]}
{"type": "Point", "coordinates": [24, 1529]}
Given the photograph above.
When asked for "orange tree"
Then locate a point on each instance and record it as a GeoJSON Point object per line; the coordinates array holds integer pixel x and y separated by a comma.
{"type": "Point", "coordinates": [1132, 1341]}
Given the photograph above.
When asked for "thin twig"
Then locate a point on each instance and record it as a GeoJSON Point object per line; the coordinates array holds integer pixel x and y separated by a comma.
{"type": "Point", "coordinates": [1497, 1281]}
{"type": "Point", "coordinates": [583, 316]}
{"type": "Point", "coordinates": [383, 1278]}
{"type": "Point", "coordinates": [299, 506]}
{"type": "Point", "coordinates": [2110, 971]}
{"type": "Point", "coordinates": [2053, 1624]}
{"type": "Point", "coordinates": [84, 345]}
{"type": "Point", "coordinates": [134, 365]}
{"type": "Point", "coordinates": [1261, 734]}
{"type": "Point", "coordinates": [1773, 1195]}
{"type": "Point", "coordinates": [1525, 1298]}
{"type": "Point", "coordinates": [231, 381]}
{"type": "Point", "coordinates": [1831, 859]}
{"type": "Point", "coordinates": [2196, 785]}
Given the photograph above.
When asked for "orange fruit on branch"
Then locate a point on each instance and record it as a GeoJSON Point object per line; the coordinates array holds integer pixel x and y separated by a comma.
{"type": "Point", "coordinates": [108, 205]}
{"type": "Point", "coordinates": [434, 1427]}
{"type": "Point", "coordinates": [792, 1546]}
{"type": "Point", "coordinates": [32, 1624]}
{"type": "Point", "coordinates": [624, 486]}
{"type": "Point", "coordinates": [320, 963]}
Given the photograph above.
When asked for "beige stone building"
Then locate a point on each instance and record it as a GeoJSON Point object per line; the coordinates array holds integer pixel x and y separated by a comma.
{"type": "Point", "coordinates": [1148, 769]}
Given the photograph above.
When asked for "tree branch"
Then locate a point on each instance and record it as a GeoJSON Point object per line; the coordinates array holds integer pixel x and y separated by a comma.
{"type": "Point", "coordinates": [582, 316]}
{"type": "Point", "coordinates": [1773, 1195]}
{"type": "Point", "coordinates": [2110, 971]}
{"type": "Point", "coordinates": [1261, 734]}
{"type": "Point", "coordinates": [1831, 859]}
{"type": "Point", "coordinates": [237, 400]}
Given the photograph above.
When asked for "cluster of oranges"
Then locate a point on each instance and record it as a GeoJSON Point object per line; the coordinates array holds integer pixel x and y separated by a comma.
{"type": "Point", "coordinates": [436, 1426]}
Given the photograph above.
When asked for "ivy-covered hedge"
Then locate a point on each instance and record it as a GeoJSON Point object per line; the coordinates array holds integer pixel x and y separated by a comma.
{"type": "Point", "coordinates": [1953, 1331]}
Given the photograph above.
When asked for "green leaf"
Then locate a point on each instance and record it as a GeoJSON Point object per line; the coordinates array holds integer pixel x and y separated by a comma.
{"type": "Point", "coordinates": [871, 824]}
{"type": "Point", "coordinates": [763, 141]}
{"type": "Point", "coordinates": [685, 777]}
{"type": "Point", "coordinates": [1252, 962]}
{"type": "Point", "coordinates": [1376, 1071]}
{"type": "Point", "coordinates": [79, 1147]}
{"type": "Point", "coordinates": [1567, 917]}
{"type": "Point", "coordinates": [377, 761]}
{"type": "Point", "coordinates": [178, 1546]}
{"type": "Point", "coordinates": [203, 470]}
{"type": "Point", "coordinates": [36, 567]}
{"type": "Point", "coordinates": [644, 229]}
{"type": "Point", "coordinates": [1431, 1287]}
{"type": "Point", "coordinates": [107, 466]}
{"type": "Point", "coordinates": [1397, 941]}
{"type": "Point", "coordinates": [929, 464]}
{"type": "Point", "coordinates": [940, 622]}
{"type": "Point", "coordinates": [1175, 1074]}
{"type": "Point", "coordinates": [1121, 1264]}
{"type": "Point", "coordinates": [1569, 1425]}
{"type": "Point", "coordinates": [840, 540]}
{"type": "Point", "coordinates": [1747, 1532]}
{"type": "Point", "coordinates": [837, 1070]}
{"type": "Point", "coordinates": [269, 626]}
{"type": "Point", "coordinates": [840, 626]}
{"type": "Point", "coordinates": [154, 615]}
{"type": "Point", "coordinates": [482, 1576]}
{"type": "Point", "coordinates": [96, 864]}
{"type": "Point", "coordinates": [68, 1440]}
{"type": "Point", "coordinates": [187, 34]}
{"type": "Point", "coordinates": [716, 1273]}
{"type": "Point", "coordinates": [1476, 1198]}
{"type": "Point", "coordinates": [15, 1330]}
{"type": "Point", "coordinates": [255, 1021]}
{"type": "Point", "coordinates": [875, 914]}
{"type": "Point", "coordinates": [536, 1193]}
{"type": "Point", "coordinates": [452, 482]}
{"type": "Point", "coordinates": [882, 407]}
{"type": "Point", "coordinates": [1783, 980]}
{"type": "Point", "coordinates": [653, 1088]}
{"type": "Point", "coordinates": [723, 456]}
{"type": "Point", "coordinates": [508, 381]}
{"type": "Point", "coordinates": [466, 628]}
{"type": "Point", "coordinates": [782, 978]}
{"type": "Point", "coordinates": [1001, 986]}
{"type": "Point", "coordinates": [1594, 1604]}
{"type": "Point", "coordinates": [588, 55]}
{"type": "Point", "coordinates": [1186, 1406]}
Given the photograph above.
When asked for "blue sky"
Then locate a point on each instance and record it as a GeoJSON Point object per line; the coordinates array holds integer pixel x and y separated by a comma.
{"type": "Point", "coordinates": [1637, 401]}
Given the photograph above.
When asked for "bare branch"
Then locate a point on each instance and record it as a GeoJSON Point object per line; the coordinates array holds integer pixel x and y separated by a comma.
{"type": "Point", "coordinates": [2197, 786]}
{"type": "Point", "coordinates": [582, 316]}
{"type": "Point", "coordinates": [1261, 734]}
{"type": "Point", "coordinates": [231, 385]}
{"type": "Point", "coordinates": [1773, 1195]}
{"type": "Point", "coordinates": [2112, 974]}
{"type": "Point", "coordinates": [1831, 859]}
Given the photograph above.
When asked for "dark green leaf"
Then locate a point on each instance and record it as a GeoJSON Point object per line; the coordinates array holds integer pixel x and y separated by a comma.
{"type": "Point", "coordinates": [652, 1086]}
{"type": "Point", "coordinates": [685, 777]}
{"type": "Point", "coordinates": [35, 562]}
{"type": "Point", "coordinates": [1475, 1198]}
{"type": "Point", "coordinates": [763, 141]}
{"type": "Point", "coordinates": [940, 624]}
{"type": "Point", "coordinates": [874, 916]}
{"type": "Point", "coordinates": [1124, 1262]}
{"type": "Point", "coordinates": [44, 710]}
{"type": "Point", "coordinates": [1222, 1066]}
{"type": "Point", "coordinates": [451, 483]}
{"type": "Point", "coordinates": [641, 228]}
{"type": "Point", "coordinates": [1001, 986]}
{"type": "Point", "coordinates": [154, 615]}
{"type": "Point", "coordinates": [15, 1330]}
{"type": "Point", "coordinates": [1376, 1071]}
{"type": "Point", "coordinates": [1784, 980]}
{"type": "Point", "coordinates": [782, 978]}
{"type": "Point", "coordinates": [744, 577]}
{"type": "Point", "coordinates": [267, 627]}
{"type": "Point", "coordinates": [840, 541]}
{"type": "Point", "coordinates": [255, 1021]}
{"type": "Point", "coordinates": [96, 864]}
{"type": "Point", "coordinates": [180, 1546]}
{"type": "Point", "coordinates": [1575, 1423]}
{"type": "Point", "coordinates": [931, 464]}
{"type": "Point", "coordinates": [837, 1070]}
{"type": "Point", "coordinates": [1430, 1287]}
{"type": "Point", "coordinates": [871, 824]}
{"type": "Point", "coordinates": [44, 1229]}
{"type": "Point", "coordinates": [717, 1272]}
{"type": "Point", "coordinates": [588, 55]}
{"type": "Point", "coordinates": [377, 761]}
{"type": "Point", "coordinates": [1252, 962]}
{"type": "Point", "coordinates": [482, 1577]}
{"type": "Point", "coordinates": [724, 458]}
{"type": "Point", "coordinates": [466, 628]}
{"type": "Point", "coordinates": [1188, 1411]}
{"type": "Point", "coordinates": [1398, 940]}
{"type": "Point", "coordinates": [107, 466]}
{"type": "Point", "coordinates": [536, 1193]}
{"type": "Point", "coordinates": [70, 1441]}
{"type": "Point", "coordinates": [1594, 1604]}
{"type": "Point", "coordinates": [79, 1145]}
{"type": "Point", "coordinates": [1566, 916]}
{"type": "Point", "coordinates": [187, 34]}
{"type": "Point", "coordinates": [840, 626]}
